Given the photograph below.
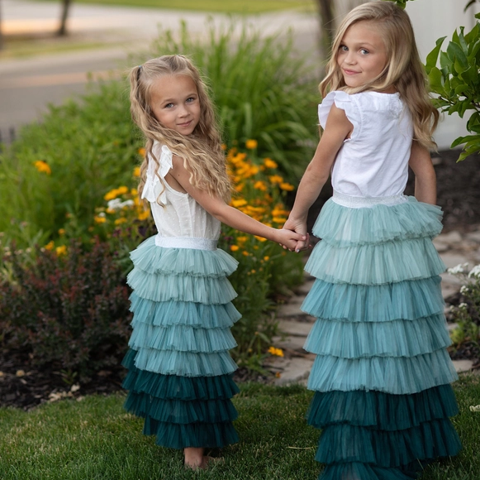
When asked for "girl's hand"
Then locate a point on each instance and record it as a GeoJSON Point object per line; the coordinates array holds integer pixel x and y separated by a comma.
{"type": "Point", "coordinates": [289, 239]}
{"type": "Point", "coordinates": [299, 226]}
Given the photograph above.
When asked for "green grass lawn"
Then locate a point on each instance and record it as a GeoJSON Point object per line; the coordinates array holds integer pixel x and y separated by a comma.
{"type": "Point", "coordinates": [220, 6]}
{"type": "Point", "coordinates": [95, 439]}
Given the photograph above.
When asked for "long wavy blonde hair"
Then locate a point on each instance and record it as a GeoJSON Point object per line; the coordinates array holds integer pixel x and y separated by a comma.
{"type": "Point", "coordinates": [201, 151]}
{"type": "Point", "coordinates": [403, 70]}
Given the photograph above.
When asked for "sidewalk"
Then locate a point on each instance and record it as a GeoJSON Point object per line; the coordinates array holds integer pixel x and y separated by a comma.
{"type": "Point", "coordinates": [454, 248]}
{"type": "Point", "coordinates": [27, 85]}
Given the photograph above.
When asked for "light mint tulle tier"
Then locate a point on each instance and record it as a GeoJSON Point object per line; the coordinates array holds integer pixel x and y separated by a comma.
{"type": "Point", "coordinates": [397, 338]}
{"type": "Point", "coordinates": [182, 411]}
{"type": "Point", "coordinates": [379, 223]}
{"type": "Point", "coordinates": [182, 261]}
{"type": "Point", "coordinates": [375, 264]}
{"type": "Point", "coordinates": [185, 364]}
{"type": "Point", "coordinates": [181, 338]}
{"type": "Point", "coordinates": [396, 375]}
{"type": "Point", "coordinates": [407, 300]}
{"type": "Point", "coordinates": [345, 443]}
{"type": "Point", "coordinates": [172, 313]}
{"type": "Point", "coordinates": [174, 387]}
{"type": "Point", "coordinates": [206, 435]}
{"type": "Point", "coordinates": [382, 410]}
{"type": "Point", "coordinates": [161, 287]}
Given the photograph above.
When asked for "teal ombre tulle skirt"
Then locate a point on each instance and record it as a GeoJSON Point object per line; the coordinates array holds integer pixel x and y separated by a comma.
{"type": "Point", "coordinates": [179, 369]}
{"type": "Point", "coordinates": [382, 373]}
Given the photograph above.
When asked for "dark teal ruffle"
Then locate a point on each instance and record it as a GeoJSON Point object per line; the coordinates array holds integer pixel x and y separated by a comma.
{"type": "Point", "coordinates": [382, 410]}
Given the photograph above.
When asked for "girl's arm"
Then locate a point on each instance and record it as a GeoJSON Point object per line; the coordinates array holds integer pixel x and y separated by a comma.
{"type": "Point", "coordinates": [425, 178]}
{"type": "Point", "coordinates": [229, 215]}
{"type": "Point", "coordinates": [337, 129]}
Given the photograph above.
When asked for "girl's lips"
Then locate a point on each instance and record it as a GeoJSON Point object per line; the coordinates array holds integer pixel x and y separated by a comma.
{"type": "Point", "coordinates": [186, 124]}
{"type": "Point", "coordinates": [349, 72]}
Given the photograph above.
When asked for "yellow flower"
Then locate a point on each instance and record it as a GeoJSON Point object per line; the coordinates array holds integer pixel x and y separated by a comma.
{"type": "Point", "coordinates": [42, 166]}
{"type": "Point", "coordinates": [61, 250]}
{"type": "Point", "coordinates": [144, 214]}
{"type": "Point", "coordinates": [111, 195]}
{"type": "Point", "coordinates": [234, 248]}
{"type": "Point", "coordinates": [121, 190]}
{"type": "Point", "coordinates": [49, 245]}
{"type": "Point", "coordinates": [260, 239]}
{"type": "Point", "coordinates": [120, 220]}
{"type": "Point", "coordinates": [61, 231]}
{"type": "Point", "coordinates": [134, 192]}
{"type": "Point", "coordinates": [276, 351]}
{"type": "Point", "coordinates": [275, 179]}
{"type": "Point", "coordinates": [136, 172]}
{"type": "Point", "coordinates": [286, 186]}
{"type": "Point", "coordinates": [260, 185]}
{"type": "Point", "coordinates": [141, 151]}
{"type": "Point", "coordinates": [281, 220]}
{"type": "Point", "coordinates": [266, 258]}
{"type": "Point", "coordinates": [223, 146]}
{"type": "Point", "coordinates": [269, 163]}
{"type": "Point", "coordinates": [238, 203]}
{"type": "Point", "coordinates": [245, 253]}
{"type": "Point", "coordinates": [251, 144]}
{"type": "Point", "coordinates": [242, 239]}
{"type": "Point", "coordinates": [99, 219]}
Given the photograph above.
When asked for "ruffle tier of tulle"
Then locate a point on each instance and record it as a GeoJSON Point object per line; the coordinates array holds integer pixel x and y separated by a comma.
{"type": "Point", "coordinates": [396, 375]}
{"type": "Point", "coordinates": [382, 410]}
{"type": "Point", "coordinates": [344, 226]}
{"type": "Point", "coordinates": [345, 443]}
{"type": "Point", "coordinates": [199, 409]}
{"type": "Point", "coordinates": [152, 259]}
{"type": "Point", "coordinates": [398, 338]}
{"type": "Point", "coordinates": [407, 300]}
{"type": "Point", "coordinates": [175, 313]}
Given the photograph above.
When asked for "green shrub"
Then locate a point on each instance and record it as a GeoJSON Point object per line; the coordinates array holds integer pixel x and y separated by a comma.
{"type": "Point", "coordinates": [68, 310]}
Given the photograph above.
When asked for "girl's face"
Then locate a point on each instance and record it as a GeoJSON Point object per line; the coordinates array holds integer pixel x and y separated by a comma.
{"type": "Point", "coordinates": [362, 54]}
{"type": "Point", "coordinates": [175, 103]}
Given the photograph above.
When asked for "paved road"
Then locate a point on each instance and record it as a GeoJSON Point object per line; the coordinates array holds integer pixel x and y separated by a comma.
{"type": "Point", "coordinates": [28, 85]}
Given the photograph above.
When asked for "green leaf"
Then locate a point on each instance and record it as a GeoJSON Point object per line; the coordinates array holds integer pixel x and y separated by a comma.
{"type": "Point", "coordinates": [456, 54]}
{"type": "Point", "coordinates": [432, 57]}
{"type": "Point", "coordinates": [435, 79]}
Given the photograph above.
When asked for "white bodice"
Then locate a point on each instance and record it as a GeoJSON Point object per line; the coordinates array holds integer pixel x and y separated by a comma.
{"type": "Point", "coordinates": [180, 218]}
{"type": "Point", "coordinates": [373, 162]}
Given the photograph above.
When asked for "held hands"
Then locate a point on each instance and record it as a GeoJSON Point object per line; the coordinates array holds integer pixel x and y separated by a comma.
{"type": "Point", "coordinates": [289, 239]}
{"type": "Point", "coordinates": [300, 227]}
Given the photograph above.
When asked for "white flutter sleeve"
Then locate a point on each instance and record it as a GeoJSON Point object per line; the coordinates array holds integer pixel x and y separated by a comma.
{"type": "Point", "coordinates": [153, 188]}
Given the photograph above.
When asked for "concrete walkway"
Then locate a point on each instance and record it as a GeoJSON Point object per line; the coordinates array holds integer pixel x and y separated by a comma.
{"type": "Point", "coordinates": [454, 248]}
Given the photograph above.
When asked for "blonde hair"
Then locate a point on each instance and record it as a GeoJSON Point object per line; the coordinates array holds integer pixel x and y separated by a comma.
{"type": "Point", "coordinates": [403, 70]}
{"type": "Point", "coordinates": [202, 150]}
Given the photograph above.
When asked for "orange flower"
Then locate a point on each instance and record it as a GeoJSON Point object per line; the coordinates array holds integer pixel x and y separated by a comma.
{"type": "Point", "coordinates": [251, 144]}
{"type": "Point", "coordinates": [269, 163]}
{"type": "Point", "coordinates": [286, 186]}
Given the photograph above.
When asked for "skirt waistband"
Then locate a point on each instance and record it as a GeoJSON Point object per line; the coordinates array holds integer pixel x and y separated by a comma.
{"type": "Point", "coordinates": [367, 202]}
{"type": "Point", "coordinates": [195, 243]}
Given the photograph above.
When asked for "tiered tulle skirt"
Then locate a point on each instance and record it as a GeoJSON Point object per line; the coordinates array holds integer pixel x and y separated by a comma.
{"type": "Point", "coordinates": [180, 371]}
{"type": "Point", "coordinates": [382, 373]}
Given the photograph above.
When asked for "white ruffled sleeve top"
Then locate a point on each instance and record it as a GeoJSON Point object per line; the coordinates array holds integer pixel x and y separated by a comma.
{"type": "Point", "coordinates": [373, 162]}
{"type": "Point", "coordinates": [180, 216]}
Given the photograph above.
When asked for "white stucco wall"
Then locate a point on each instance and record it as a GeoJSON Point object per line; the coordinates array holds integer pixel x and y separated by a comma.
{"type": "Point", "coordinates": [432, 19]}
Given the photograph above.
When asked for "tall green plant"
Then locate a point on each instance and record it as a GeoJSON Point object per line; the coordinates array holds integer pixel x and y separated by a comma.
{"type": "Point", "coordinates": [262, 88]}
{"type": "Point", "coordinates": [456, 82]}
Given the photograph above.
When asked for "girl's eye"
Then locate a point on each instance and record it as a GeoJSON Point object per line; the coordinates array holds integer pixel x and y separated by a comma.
{"type": "Point", "coordinates": [343, 48]}
{"type": "Point", "coordinates": [168, 105]}
{"type": "Point", "coordinates": [363, 51]}
{"type": "Point", "coordinates": [191, 99]}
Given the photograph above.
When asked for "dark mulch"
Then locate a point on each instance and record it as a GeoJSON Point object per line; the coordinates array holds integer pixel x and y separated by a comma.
{"type": "Point", "coordinates": [24, 386]}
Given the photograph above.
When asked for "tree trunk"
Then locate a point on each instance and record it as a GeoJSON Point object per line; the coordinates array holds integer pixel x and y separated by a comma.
{"type": "Point", "coordinates": [327, 23]}
{"type": "Point", "coordinates": [62, 31]}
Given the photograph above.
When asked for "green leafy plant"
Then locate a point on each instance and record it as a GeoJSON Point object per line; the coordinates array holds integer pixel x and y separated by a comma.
{"type": "Point", "coordinates": [69, 310]}
{"type": "Point", "coordinates": [467, 313]}
{"type": "Point", "coordinates": [456, 82]}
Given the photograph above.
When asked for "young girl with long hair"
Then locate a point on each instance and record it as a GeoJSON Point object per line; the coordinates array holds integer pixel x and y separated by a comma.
{"type": "Point", "coordinates": [382, 373]}
{"type": "Point", "coordinates": [180, 371]}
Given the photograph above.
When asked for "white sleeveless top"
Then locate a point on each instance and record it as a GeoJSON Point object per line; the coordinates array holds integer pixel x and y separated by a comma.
{"type": "Point", "coordinates": [373, 162]}
{"type": "Point", "coordinates": [181, 222]}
